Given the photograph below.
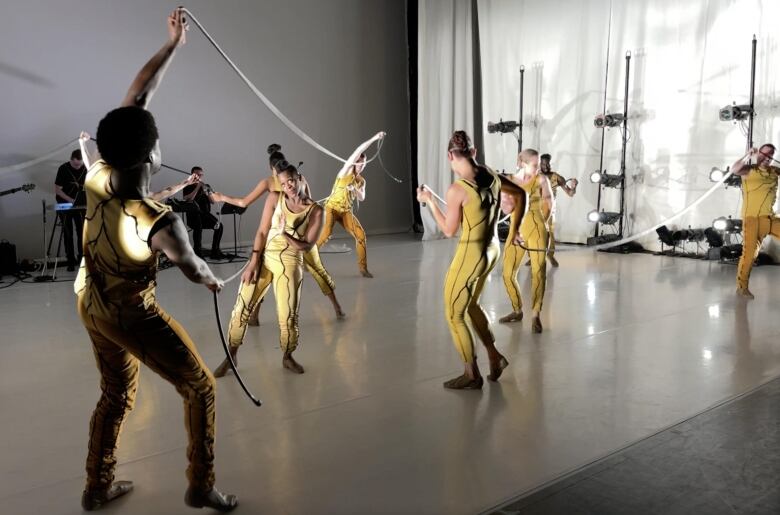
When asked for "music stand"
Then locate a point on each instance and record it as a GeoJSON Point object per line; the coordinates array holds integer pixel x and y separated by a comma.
{"type": "Point", "coordinates": [230, 209]}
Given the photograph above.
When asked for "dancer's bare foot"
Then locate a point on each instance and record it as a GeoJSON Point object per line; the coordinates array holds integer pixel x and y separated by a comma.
{"type": "Point", "coordinates": [497, 368]}
{"type": "Point", "coordinates": [289, 363]}
{"type": "Point", "coordinates": [464, 382]}
{"type": "Point", "coordinates": [94, 500]}
{"type": "Point", "coordinates": [336, 306]}
{"type": "Point", "coordinates": [745, 293]}
{"type": "Point", "coordinates": [212, 499]}
{"type": "Point", "coordinates": [536, 325]}
{"type": "Point", "coordinates": [366, 273]}
{"type": "Point", "coordinates": [514, 316]}
{"type": "Point", "coordinates": [553, 261]}
{"type": "Point", "coordinates": [224, 367]}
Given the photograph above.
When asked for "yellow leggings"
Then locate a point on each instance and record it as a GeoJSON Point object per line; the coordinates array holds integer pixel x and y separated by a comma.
{"type": "Point", "coordinates": [352, 225]}
{"type": "Point", "coordinates": [465, 279]}
{"type": "Point", "coordinates": [286, 274]}
{"type": "Point", "coordinates": [535, 235]}
{"type": "Point", "coordinates": [314, 266]}
{"type": "Point", "coordinates": [163, 345]}
{"type": "Point", "coordinates": [754, 230]}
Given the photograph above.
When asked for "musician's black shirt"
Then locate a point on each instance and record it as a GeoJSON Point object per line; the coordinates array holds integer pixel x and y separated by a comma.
{"type": "Point", "coordinates": [201, 199]}
{"type": "Point", "coordinates": [71, 180]}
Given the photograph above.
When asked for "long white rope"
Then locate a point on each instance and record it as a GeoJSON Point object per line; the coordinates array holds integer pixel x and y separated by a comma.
{"type": "Point", "coordinates": [627, 239]}
{"type": "Point", "coordinates": [37, 160]}
{"type": "Point", "coordinates": [271, 107]}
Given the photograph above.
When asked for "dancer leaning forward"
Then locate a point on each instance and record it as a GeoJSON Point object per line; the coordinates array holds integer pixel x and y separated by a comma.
{"type": "Point", "coordinates": [473, 208]}
{"type": "Point", "coordinates": [289, 227]}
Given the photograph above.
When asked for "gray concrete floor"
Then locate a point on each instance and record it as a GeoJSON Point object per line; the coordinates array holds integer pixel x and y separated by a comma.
{"type": "Point", "coordinates": [723, 461]}
{"type": "Point", "coordinates": [632, 344]}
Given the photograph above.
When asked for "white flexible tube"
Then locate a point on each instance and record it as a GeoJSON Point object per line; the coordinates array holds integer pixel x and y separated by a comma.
{"type": "Point", "coordinates": [35, 161]}
{"type": "Point", "coordinates": [627, 239]}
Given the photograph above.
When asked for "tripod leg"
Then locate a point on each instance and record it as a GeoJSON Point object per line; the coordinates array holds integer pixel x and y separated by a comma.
{"type": "Point", "coordinates": [235, 236]}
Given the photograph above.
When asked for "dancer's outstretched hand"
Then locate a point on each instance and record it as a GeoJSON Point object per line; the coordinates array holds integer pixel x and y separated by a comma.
{"type": "Point", "coordinates": [215, 285]}
{"type": "Point", "coordinates": [423, 195]}
{"type": "Point", "coordinates": [177, 27]}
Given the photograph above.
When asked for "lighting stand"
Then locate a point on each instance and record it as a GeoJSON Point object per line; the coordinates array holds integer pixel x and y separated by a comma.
{"type": "Point", "coordinates": [598, 236]}
{"type": "Point", "coordinates": [520, 119]}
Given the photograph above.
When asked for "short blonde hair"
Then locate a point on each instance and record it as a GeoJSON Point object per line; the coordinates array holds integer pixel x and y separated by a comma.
{"type": "Point", "coordinates": [526, 155]}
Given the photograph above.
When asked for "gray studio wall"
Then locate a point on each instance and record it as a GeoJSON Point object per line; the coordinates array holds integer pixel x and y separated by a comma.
{"type": "Point", "coordinates": [337, 68]}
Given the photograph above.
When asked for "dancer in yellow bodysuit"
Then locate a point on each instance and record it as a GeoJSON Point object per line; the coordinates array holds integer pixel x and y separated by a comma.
{"type": "Point", "coordinates": [759, 191]}
{"type": "Point", "coordinates": [311, 258]}
{"type": "Point", "coordinates": [528, 231]}
{"type": "Point", "coordinates": [289, 227]}
{"type": "Point", "coordinates": [472, 208]}
{"type": "Point", "coordinates": [556, 181]}
{"type": "Point", "coordinates": [350, 185]}
{"type": "Point", "coordinates": [124, 233]}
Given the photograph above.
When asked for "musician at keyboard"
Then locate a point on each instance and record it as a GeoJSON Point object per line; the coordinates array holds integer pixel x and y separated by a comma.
{"type": "Point", "coordinates": [67, 185]}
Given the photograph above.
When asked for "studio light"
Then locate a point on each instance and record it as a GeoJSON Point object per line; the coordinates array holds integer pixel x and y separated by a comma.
{"type": "Point", "coordinates": [502, 126]}
{"type": "Point", "coordinates": [716, 175]}
{"type": "Point", "coordinates": [604, 217]}
{"type": "Point", "coordinates": [607, 120]}
{"type": "Point", "coordinates": [606, 180]}
{"type": "Point", "coordinates": [734, 112]}
{"type": "Point", "coordinates": [727, 225]}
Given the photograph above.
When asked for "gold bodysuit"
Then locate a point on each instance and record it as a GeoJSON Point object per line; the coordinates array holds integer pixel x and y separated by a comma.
{"type": "Point", "coordinates": [477, 253]}
{"type": "Point", "coordinates": [117, 305]}
{"type": "Point", "coordinates": [534, 232]}
{"type": "Point", "coordinates": [759, 192]}
{"type": "Point", "coordinates": [338, 208]}
{"type": "Point", "coordinates": [282, 265]}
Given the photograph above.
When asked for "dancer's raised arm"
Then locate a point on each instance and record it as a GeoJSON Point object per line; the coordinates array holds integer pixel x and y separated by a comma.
{"type": "Point", "coordinates": [356, 154]}
{"type": "Point", "coordinates": [742, 165]}
{"type": "Point", "coordinates": [148, 79]}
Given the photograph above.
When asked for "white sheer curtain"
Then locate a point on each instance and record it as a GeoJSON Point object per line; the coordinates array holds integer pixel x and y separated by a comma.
{"type": "Point", "coordinates": [688, 60]}
{"type": "Point", "coordinates": [445, 90]}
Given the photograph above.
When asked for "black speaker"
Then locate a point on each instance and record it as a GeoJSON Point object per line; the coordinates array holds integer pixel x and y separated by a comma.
{"type": "Point", "coordinates": [8, 263]}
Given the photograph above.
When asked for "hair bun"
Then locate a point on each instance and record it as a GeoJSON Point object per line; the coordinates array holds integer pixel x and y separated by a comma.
{"type": "Point", "coordinates": [274, 147]}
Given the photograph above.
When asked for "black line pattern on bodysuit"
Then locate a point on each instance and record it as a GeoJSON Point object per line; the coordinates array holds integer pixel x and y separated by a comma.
{"type": "Point", "coordinates": [538, 276]}
{"type": "Point", "coordinates": [465, 220]}
{"type": "Point", "coordinates": [766, 195]}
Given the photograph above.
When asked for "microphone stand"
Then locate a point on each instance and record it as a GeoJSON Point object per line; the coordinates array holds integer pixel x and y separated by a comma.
{"type": "Point", "coordinates": [43, 277]}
